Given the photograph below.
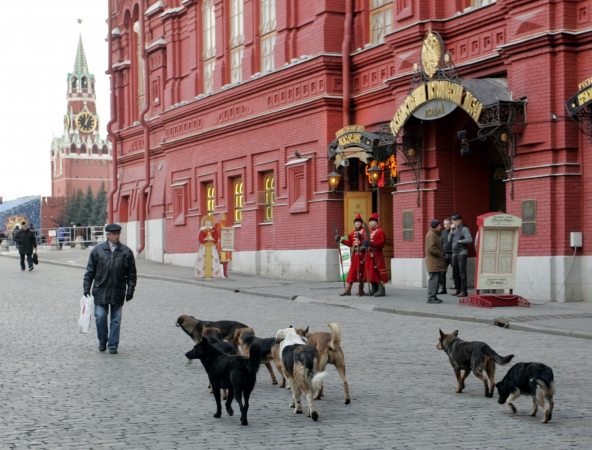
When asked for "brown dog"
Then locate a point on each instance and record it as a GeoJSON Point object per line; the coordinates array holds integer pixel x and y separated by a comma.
{"type": "Point", "coordinates": [329, 347]}
{"type": "Point", "coordinates": [269, 351]}
{"type": "Point", "coordinates": [194, 328]}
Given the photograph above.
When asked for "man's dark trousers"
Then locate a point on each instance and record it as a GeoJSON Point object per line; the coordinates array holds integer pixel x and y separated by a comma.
{"type": "Point", "coordinates": [29, 260]}
{"type": "Point", "coordinates": [459, 272]}
{"type": "Point", "coordinates": [442, 283]}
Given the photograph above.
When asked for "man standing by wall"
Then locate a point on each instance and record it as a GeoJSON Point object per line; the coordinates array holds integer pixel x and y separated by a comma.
{"type": "Point", "coordinates": [460, 238]}
{"type": "Point", "coordinates": [356, 269]}
{"type": "Point", "coordinates": [434, 259]}
{"type": "Point", "coordinates": [112, 267]}
{"type": "Point", "coordinates": [374, 266]}
{"type": "Point", "coordinates": [27, 243]}
{"type": "Point", "coordinates": [447, 254]}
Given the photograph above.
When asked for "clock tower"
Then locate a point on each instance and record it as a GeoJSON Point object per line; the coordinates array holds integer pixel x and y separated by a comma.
{"type": "Point", "coordinates": [80, 158]}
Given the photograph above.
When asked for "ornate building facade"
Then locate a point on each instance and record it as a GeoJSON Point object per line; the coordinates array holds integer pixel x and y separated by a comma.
{"type": "Point", "coordinates": [244, 107]}
{"type": "Point", "coordinates": [80, 158]}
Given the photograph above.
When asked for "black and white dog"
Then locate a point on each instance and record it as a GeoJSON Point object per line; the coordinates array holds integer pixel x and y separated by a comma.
{"type": "Point", "coordinates": [301, 367]}
{"type": "Point", "coordinates": [535, 379]}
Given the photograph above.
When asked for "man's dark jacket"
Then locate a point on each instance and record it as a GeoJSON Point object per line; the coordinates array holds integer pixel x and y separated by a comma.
{"type": "Point", "coordinates": [111, 272]}
{"type": "Point", "coordinates": [26, 240]}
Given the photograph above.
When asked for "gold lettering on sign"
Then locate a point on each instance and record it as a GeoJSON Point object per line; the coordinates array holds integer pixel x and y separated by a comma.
{"type": "Point", "coordinates": [430, 112]}
{"type": "Point", "coordinates": [350, 139]}
{"type": "Point", "coordinates": [585, 96]}
{"type": "Point", "coordinates": [585, 83]}
{"type": "Point", "coordinates": [349, 129]}
{"type": "Point", "coordinates": [472, 106]}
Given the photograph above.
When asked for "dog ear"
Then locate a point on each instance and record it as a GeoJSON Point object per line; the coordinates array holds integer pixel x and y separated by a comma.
{"type": "Point", "coordinates": [455, 333]}
{"type": "Point", "coordinates": [237, 333]}
{"type": "Point", "coordinates": [306, 331]}
{"type": "Point", "coordinates": [442, 334]}
{"type": "Point", "coordinates": [290, 326]}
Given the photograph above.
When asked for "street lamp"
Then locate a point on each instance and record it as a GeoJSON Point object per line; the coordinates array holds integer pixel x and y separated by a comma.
{"type": "Point", "coordinates": [334, 178]}
{"type": "Point", "coordinates": [374, 174]}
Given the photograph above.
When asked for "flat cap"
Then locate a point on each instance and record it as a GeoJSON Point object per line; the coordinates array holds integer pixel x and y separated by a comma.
{"type": "Point", "coordinates": [456, 217]}
{"type": "Point", "coordinates": [112, 228]}
{"type": "Point", "coordinates": [434, 223]}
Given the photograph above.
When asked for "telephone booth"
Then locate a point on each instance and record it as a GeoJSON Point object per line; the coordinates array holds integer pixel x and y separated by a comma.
{"type": "Point", "coordinates": [495, 268]}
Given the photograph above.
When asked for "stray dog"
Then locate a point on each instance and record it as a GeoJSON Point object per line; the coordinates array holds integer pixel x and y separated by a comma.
{"type": "Point", "coordinates": [329, 347]}
{"type": "Point", "coordinates": [194, 328]}
{"type": "Point", "coordinates": [471, 356]}
{"type": "Point", "coordinates": [213, 336]}
{"type": "Point", "coordinates": [236, 373]}
{"type": "Point", "coordinates": [246, 338]}
{"type": "Point", "coordinates": [300, 364]}
{"type": "Point", "coordinates": [535, 379]}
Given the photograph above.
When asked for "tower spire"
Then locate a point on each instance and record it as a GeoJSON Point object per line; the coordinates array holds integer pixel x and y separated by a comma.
{"type": "Point", "coordinates": [80, 64]}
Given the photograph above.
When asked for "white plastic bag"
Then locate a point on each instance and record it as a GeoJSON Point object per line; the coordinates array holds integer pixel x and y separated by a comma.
{"type": "Point", "coordinates": [86, 313]}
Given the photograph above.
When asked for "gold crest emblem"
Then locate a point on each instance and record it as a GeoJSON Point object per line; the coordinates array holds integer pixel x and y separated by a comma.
{"type": "Point", "coordinates": [431, 54]}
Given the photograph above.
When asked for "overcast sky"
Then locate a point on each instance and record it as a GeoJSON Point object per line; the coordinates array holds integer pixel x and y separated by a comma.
{"type": "Point", "coordinates": [38, 40]}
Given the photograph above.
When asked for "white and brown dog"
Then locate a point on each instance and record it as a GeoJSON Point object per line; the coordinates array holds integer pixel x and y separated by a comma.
{"type": "Point", "coordinates": [300, 364]}
{"type": "Point", "coordinates": [329, 347]}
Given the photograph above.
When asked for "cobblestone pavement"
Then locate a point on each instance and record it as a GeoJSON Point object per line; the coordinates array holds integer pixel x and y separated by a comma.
{"type": "Point", "coordinates": [58, 391]}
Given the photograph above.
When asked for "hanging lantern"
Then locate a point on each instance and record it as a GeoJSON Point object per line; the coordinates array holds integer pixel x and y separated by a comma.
{"type": "Point", "coordinates": [333, 178]}
{"type": "Point", "coordinates": [374, 174]}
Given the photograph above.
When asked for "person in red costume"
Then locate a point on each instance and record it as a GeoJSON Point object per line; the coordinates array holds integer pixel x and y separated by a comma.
{"type": "Point", "coordinates": [375, 269]}
{"type": "Point", "coordinates": [356, 269]}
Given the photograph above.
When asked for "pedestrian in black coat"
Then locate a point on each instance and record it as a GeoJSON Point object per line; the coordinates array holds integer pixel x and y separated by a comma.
{"type": "Point", "coordinates": [27, 244]}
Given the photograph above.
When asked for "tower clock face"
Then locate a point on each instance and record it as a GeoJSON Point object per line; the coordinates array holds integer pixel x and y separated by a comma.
{"type": "Point", "coordinates": [86, 122]}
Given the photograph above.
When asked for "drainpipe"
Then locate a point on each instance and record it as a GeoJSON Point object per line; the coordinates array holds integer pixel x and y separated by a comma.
{"type": "Point", "coordinates": [114, 187]}
{"type": "Point", "coordinates": [142, 211]}
{"type": "Point", "coordinates": [345, 60]}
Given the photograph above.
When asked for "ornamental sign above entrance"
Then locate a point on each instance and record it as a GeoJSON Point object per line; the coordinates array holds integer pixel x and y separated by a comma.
{"type": "Point", "coordinates": [579, 107]}
{"type": "Point", "coordinates": [436, 90]}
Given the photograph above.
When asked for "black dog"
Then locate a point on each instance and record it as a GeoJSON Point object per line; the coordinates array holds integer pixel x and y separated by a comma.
{"type": "Point", "coordinates": [235, 373]}
{"type": "Point", "coordinates": [213, 335]}
{"type": "Point", "coordinates": [535, 379]}
{"type": "Point", "coordinates": [471, 356]}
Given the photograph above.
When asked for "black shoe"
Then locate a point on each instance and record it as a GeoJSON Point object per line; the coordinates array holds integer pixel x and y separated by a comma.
{"type": "Point", "coordinates": [102, 347]}
{"type": "Point", "coordinates": [443, 292]}
{"type": "Point", "coordinates": [438, 300]}
{"type": "Point", "coordinates": [31, 268]}
{"type": "Point", "coordinates": [113, 350]}
{"type": "Point", "coordinates": [434, 300]}
{"type": "Point", "coordinates": [22, 269]}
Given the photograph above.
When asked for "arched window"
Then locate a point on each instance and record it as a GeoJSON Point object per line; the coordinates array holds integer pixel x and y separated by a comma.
{"type": "Point", "coordinates": [209, 44]}
{"type": "Point", "coordinates": [74, 83]}
{"type": "Point", "coordinates": [95, 149]}
{"type": "Point", "coordinates": [140, 67]}
{"type": "Point", "coordinates": [72, 149]}
{"type": "Point", "coordinates": [84, 83]}
{"type": "Point", "coordinates": [105, 150]}
{"type": "Point", "coordinates": [83, 149]}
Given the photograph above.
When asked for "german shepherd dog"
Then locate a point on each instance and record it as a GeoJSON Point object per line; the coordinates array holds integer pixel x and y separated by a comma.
{"type": "Point", "coordinates": [535, 379]}
{"type": "Point", "coordinates": [246, 338]}
{"type": "Point", "coordinates": [214, 337]}
{"type": "Point", "coordinates": [300, 364]}
{"type": "Point", "coordinates": [471, 356]}
{"type": "Point", "coordinates": [194, 328]}
{"type": "Point", "coordinates": [236, 373]}
{"type": "Point", "coordinates": [329, 347]}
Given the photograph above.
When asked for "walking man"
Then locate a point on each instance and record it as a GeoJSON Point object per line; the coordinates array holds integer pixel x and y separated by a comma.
{"type": "Point", "coordinates": [434, 259]}
{"type": "Point", "coordinates": [356, 269]}
{"type": "Point", "coordinates": [447, 254]}
{"type": "Point", "coordinates": [460, 238]}
{"type": "Point", "coordinates": [375, 268]}
{"type": "Point", "coordinates": [27, 243]}
{"type": "Point", "coordinates": [112, 267]}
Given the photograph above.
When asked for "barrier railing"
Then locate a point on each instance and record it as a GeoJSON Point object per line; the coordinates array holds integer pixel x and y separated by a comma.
{"type": "Point", "coordinates": [72, 237]}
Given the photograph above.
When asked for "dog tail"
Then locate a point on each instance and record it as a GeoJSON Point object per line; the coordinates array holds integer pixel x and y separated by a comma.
{"type": "Point", "coordinates": [317, 381]}
{"type": "Point", "coordinates": [335, 336]}
{"type": "Point", "coordinates": [254, 358]}
{"type": "Point", "coordinates": [501, 360]}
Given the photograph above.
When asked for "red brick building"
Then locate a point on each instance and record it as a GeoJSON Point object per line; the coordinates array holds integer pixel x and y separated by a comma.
{"type": "Point", "coordinates": [247, 110]}
{"type": "Point", "coordinates": [80, 158]}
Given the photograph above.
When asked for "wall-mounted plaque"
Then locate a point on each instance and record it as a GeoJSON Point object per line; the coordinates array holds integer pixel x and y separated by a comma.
{"type": "Point", "coordinates": [407, 225]}
{"type": "Point", "coordinates": [528, 217]}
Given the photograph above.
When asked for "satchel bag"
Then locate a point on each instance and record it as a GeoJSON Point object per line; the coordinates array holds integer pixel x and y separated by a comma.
{"type": "Point", "coordinates": [35, 258]}
{"type": "Point", "coordinates": [86, 307]}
